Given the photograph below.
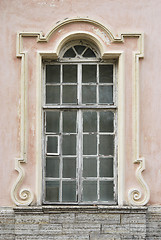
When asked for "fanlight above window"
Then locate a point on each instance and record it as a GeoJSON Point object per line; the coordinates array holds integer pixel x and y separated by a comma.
{"type": "Point", "coordinates": [79, 50]}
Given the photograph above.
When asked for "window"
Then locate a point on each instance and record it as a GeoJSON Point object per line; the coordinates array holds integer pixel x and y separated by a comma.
{"type": "Point", "coordinates": [79, 125]}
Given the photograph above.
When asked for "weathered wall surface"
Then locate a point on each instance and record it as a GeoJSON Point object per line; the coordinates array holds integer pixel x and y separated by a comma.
{"type": "Point", "coordinates": [40, 16]}
{"type": "Point", "coordinates": [86, 223]}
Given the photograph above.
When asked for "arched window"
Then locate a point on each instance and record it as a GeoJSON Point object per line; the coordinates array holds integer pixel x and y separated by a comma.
{"type": "Point", "coordinates": [80, 112]}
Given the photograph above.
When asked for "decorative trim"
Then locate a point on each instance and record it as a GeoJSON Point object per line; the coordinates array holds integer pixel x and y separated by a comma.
{"type": "Point", "coordinates": [26, 196]}
{"type": "Point", "coordinates": [135, 195]}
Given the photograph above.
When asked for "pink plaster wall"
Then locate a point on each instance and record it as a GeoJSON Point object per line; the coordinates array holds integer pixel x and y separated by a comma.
{"type": "Point", "coordinates": [41, 15]}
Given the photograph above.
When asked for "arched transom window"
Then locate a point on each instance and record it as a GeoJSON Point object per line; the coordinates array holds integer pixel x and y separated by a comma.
{"type": "Point", "coordinates": [79, 127]}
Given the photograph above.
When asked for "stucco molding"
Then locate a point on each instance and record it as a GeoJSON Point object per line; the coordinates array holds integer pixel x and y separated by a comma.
{"type": "Point", "coordinates": [134, 196]}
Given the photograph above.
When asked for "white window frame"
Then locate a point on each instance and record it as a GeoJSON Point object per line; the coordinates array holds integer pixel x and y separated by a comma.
{"type": "Point", "coordinates": [79, 108]}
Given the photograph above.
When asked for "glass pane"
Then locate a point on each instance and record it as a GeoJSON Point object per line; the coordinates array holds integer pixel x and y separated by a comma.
{"type": "Point", "coordinates": [69, 167]}
{"type": "Point", "coordinates": [52, 121]}
{"type": "Point", "coordinates": [69, 121]}
{"type": "Point", "coordinates": [53, 73]}
{"type": "Point", "coordinates": [89, 73]}
{"type": "Point", "coordinates": [52, 191]}
{"type": "Point", "coordinates": [69, 191]}
{"type": "Point", "coordinates": [69, 94]}
{"type": "Point", "coordinates": [79, 49]}
{"type": "Point", "coordinates": [106, 73]}
{"type": "Point", "coordinates": [53, 94]}
{"type": "Point", "coordinates": [106, 167]}
{"type": "Point", "coordinates": [69, 53]}
{"type": "Point", "coordinates": [90, 144]}
{"type": "Point", "coordinates": [106, 146]}
{"type": "Point", "coordinates": [69, 145]}
{"type": "Point", "coordinates": [90, 121]}
{"type": "Point", "coordinates": [52, 144]}
{"type": "Point", "coordinates": [105, 94]}
{"type": "Point", "coordinates": [89, 94]}
{"type": "Point", "coordinates": [70, 73]}
{"type": "Point", "coordinates": [106, 191]}
{"type": "Point", "coordinates": [106, 121]}
{"type": "Point", "coordinates": [89, 167]}
{"type": "Point", "coordinates": [52, 167]}
{"type": "Point", "coordinates": [89, 191]}
{"type": "Point", "coordinates": [89, 53]}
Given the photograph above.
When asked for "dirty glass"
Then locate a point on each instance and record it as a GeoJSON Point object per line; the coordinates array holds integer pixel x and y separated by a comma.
{"type": "Point", "coordinates": [52, 167]}
{"type": "Point", "coordinates": [52, 144]}
{"type": "Point", "coordinates": [53, 73]}
{"type": "Point", "coordinates": [52, 191]}
{"type": "Point", "coordinates": [70, 73]}
{"type": "Point", "coordinates": [69, 145]}
{"type": "Point", "coordinates": [89, 73]}
{"type": "Point", "coordinates": [106, 73]}
{"type": "Point", "coordinates": [106, 191]}
{"type": "Point", "coordinates": [52, 94]}
{"type": "Point", "coordinates": [69, 94]}
{"type": "Point", "coordinates": [89, 94]}
{"type": "Point", "coordinates": [69, 191]}
{"type": "Point", "coordinates": [89, 191]}
{"type": "Point", "coordinates": [69, 121]}
{"type": "Point", "coordinates": [52, 121]}
{"type": "Point", "coordinates": [69, 167]}
{"type": "Point", "coordinates": [90, 167]}
{"type": "Point", "coordinates": [89, 121]}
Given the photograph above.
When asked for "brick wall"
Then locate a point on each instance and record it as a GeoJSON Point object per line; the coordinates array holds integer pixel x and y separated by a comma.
{"type": "Point", "coordinates": [80, 223]}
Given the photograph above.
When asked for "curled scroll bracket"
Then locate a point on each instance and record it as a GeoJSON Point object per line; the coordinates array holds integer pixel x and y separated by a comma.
{"type": "Point", "coordinates": [135, 195]}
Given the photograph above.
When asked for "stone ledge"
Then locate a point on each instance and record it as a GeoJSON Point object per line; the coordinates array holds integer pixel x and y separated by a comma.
{"type": "Point", "coordinates": [80, 209]}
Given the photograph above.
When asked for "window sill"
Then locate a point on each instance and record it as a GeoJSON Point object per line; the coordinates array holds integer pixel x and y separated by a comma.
{"type": "Point", "coordinates": [78, 209]}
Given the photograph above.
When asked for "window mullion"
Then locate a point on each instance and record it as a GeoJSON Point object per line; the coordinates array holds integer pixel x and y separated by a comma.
{"type": "Point", "coordinates": [79, 137]}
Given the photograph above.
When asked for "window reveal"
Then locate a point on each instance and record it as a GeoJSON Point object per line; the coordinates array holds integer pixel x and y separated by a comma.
{"type": "Point", "coordinates": [80, 129]}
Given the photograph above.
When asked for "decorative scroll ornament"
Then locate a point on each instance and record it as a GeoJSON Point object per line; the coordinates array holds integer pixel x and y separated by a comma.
{"type": "Point", "coordinates": [135, 195]}
{"type": "Point", "coordinates": [25, 196]}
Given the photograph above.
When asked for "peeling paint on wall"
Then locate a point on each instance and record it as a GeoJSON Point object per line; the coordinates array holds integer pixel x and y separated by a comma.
{"type": "Point", "coordinates": [102, 35]}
